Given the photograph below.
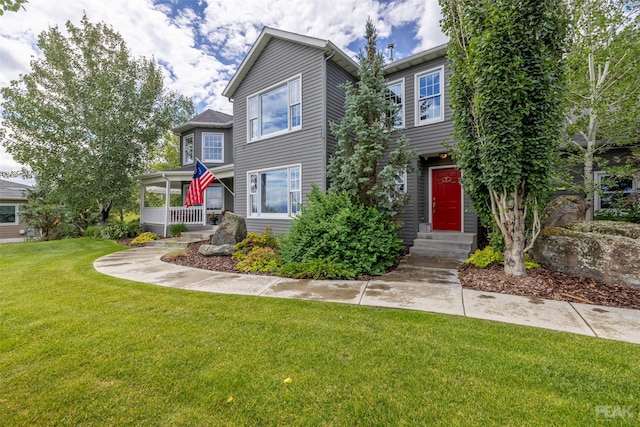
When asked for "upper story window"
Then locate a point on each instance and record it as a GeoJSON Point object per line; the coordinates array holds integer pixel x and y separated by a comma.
{"type": "Point", "coordinates": [187, 149]}
{"type": "Point", "coordinates": [615, 191]}
{"type": "Point", "coordinates": [8, 214]}
{"type": "Point", "coordinates": [396, 94]}
{"type": "Point", "coordinates": [430, 96]}
{"type": "Point", "coordinates": [275, 192]}
{"type": "Point", "coordinates": [213, 147]}
{"type": "Point", "coordinates": [276, 110]}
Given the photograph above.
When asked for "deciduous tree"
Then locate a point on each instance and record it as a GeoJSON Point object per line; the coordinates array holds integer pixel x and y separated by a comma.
{"type": "Point", "coordinates": [506, 96]}
{"type": "Point", "coordinates": [88, 116]}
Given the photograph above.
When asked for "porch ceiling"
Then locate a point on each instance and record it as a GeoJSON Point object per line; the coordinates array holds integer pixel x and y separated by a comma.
{"type": "Point", "coordinates": [178, 176]}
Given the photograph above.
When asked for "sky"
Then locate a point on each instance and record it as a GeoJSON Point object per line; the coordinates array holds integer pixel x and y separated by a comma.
{"type": "Point", "coordinates": [200, 44]}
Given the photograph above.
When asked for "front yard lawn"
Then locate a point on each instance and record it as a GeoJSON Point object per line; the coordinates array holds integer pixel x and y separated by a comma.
{"type": "Point", "coordinates": [80, 348]}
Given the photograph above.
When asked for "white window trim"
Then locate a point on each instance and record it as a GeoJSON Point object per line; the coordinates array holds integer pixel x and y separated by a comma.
{"type": "Point", "coordinates": [417, 76]}
{"type": "Point", "coordinates": [204, 158]}
{"type": "Point", "coordinates": [288, 215]}
{"type": "Point", "coordinates": [264, 91]}
{"type": "Point", "coordinates": [184, 149]}
{"type": "Point", "coordinates": [597, 198]}
{"type": "Point", "coordinates": [16, 207]}
{"type": "Point", "coordinates": [404, 102]}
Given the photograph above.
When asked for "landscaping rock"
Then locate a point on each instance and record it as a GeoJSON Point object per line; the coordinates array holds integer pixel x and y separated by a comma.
{"type": "Point", "coordinates": [602, 250]}
{"type": "Point", "coordinates": [232, 230]}
{"type": "Point", "coordinates": [564, 210]}
{"type": "Point", "coordinates": [213, 250]}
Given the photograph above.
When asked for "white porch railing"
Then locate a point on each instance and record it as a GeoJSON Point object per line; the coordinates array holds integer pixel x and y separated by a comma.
{"type": "Point", "coordinates": [176, 215]}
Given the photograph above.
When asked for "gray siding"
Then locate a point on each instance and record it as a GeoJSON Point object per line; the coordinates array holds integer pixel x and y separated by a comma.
{"type": "Point", "coordinates": [336, 76]}
{"type": "Point", "coordinates": [197, 133]}
{"type": "Point", "coordinates": [281, 60]}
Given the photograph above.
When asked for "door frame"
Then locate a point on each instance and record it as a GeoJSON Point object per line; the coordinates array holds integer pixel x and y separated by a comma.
{"type": "Point", "coordinates": [430, 193]}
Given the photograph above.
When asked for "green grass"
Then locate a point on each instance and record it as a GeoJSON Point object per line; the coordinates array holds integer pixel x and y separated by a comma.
{"type": "Point", "coordinates": [80, 348]}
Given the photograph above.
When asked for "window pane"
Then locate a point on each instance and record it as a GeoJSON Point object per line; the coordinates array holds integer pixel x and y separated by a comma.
{"type": "Point", "coordinates": [294, 87]}
{"type": "Point", "coordinates": [295, 116]}
{"type": "Point", "coordinates": [214, 198]}
{"type": "Point", "coordinates": [274, 192]}
{"type": "Point", "coordinates": [395, 95]}
{"type": "Point", "coordinates": [253, 107]}
{"type": "Point", "coordinates": [188, 149]}
{"type": "Point", "coordinates": [295, 202]}
{"type": "Point", "coordinates": [7, 214]}
{"type": "Point", "coordinates": [254, 203]}
{"type": "Point", "coordinates": [275, 110]}
{"type": "Point", "coordinates": [212, 147]}
{"type": "Point", "coordinates": [295, 179]}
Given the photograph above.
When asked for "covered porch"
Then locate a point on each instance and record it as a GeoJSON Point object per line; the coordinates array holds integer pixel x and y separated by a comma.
{"type": "Point", "coordinates": [162, 199]}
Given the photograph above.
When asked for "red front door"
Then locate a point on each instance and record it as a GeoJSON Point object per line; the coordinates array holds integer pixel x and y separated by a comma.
{"type": "Point", "coordinates": [446, 199]}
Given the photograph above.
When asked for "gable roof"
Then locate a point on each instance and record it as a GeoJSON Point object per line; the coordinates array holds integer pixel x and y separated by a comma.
{"type": "Point", "coordinates": [416, 59]}
{"type": "Point", "coordinates": [206, 119]}
{"type": "Point", "coordinates": [268, 33]}
{"type": "Point", "coordinates": [12, 190]}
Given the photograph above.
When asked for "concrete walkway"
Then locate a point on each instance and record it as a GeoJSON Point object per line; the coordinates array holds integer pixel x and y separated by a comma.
{"type": "Point", "coordinates": [419, 283]}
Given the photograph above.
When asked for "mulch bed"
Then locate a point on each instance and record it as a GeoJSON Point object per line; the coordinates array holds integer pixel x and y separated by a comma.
{"type": "Point", "coordinates": [539, 282]}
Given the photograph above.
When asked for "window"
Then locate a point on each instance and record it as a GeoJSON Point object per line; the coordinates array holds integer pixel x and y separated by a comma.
{"type": "Point", "coordinates": [187, 149]}
{"type": "Point", "coordinates": [396, 94]}
{"type": "Point", "coordinates": [276, 110]}
{"type": "Point", "coordinates": [615, 190]}
{"type": "Point", "coordinates": [401, 183]}
{"type": "Point", "coordinates": [214, 198]}
{"type": "Point", "coordinates": [275, 192]}
{"type": "Point", "coordinates": [429, 97]}
{"type": "Point", "coordinates": [213, 147]}
{"type": "Point", "coordinates": [8, 214]}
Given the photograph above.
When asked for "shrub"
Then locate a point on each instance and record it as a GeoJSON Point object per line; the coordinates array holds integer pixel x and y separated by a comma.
{"type": "Point", "coordinates": [144, 238]}
{"type": "Point", "coordinates": [93, 232]}
{"type": "Point", "coordinates": [119, 230]}
{"type": "Point", "coordinates": [260, 259]}
{"type": "Point", "coordinates": [316, 269]}
{"type": "Point", "coordinates": [266, 239]}
{"type": "Point", "coordinates": [334, 228]}
{"type": "Point", "coordinates": [482, 258]}
{"type": "Point", "coordinates": [177, 229]}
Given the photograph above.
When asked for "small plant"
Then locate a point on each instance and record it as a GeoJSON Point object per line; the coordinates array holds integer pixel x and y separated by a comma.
{"type": "Point", "coordinates": [482, 258]}
{"type": "Point", "coordinates": [93, 232]}
{"type": "Point", "coordinates": [266, 239]}
{"type": "Point", "coordinates": [177, 229]}
{"type": "Point", "coordinates": [316, 269]}
{"type": "Point", "coordinates": [119, 230]}
{"type": "Point", "coordinates": [145, 238]}
{"type": "Point", "coordinates": [260, 259]}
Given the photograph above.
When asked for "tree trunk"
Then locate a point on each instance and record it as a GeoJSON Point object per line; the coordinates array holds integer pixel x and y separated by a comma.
{"type": "Point", "coordinates": [589, 186]}
{"type": "Point", "coordinates": [514, 257]}
{"type": "Point", "coordinates": [105, 209]}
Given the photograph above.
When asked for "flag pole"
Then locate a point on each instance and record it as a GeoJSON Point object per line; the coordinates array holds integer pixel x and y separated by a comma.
{"type": "Point", "coordinates": [220, 181]}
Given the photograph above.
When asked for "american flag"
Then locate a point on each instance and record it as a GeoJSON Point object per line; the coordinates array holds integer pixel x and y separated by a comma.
{"type": "Point", "coordinates": [200, 181]}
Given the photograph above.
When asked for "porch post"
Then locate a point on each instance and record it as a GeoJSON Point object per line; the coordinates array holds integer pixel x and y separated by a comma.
{"type": "Point", "coordinates": [142, 192]}
{"type": "Point", "coordinates": [167, 204]}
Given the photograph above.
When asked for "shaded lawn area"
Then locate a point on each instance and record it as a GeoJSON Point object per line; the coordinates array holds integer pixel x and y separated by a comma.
{"type": "Point", "coordinates": [80, 348]}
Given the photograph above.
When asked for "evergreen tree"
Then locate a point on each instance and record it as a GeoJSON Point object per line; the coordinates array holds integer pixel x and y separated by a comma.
{"type": "Point", "coordinates": [365, 133]}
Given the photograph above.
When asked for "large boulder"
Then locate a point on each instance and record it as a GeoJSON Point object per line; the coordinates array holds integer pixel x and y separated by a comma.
{"type": "Point", "coordinates": [213, 250]}
{"type": "Point", "coordinates": [564, 210]}
{"type": "Point", "coordinates": [603, 250]}
{"type": "Point", "coordinates": [232, 230]}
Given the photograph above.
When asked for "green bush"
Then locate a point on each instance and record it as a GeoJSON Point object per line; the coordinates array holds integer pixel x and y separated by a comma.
{"type": "Point", "coordinates": [93, 232]}
{"type": "Point", "coordinates": [177, 229]}
{"type": "Point", "coordinates": [332, 227]}
{"type": "Point", "coordinates": [482, 258]}
{"type": "Point", "coordinates": [316, 269]}
{"type": "Point", "coordinates": [145, 238]}
{"type": "Point", "coordinates": [262, 259]}
{"type": "Point", "coordinates": [119, 230]}
{"type": "Point", "coordinates": [266, 239]}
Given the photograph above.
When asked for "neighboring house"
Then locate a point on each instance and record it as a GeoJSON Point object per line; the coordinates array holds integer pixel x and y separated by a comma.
{"type": "Point", "coordinates": [12, 197]}
{"type": "Point", "coordinates": [208, 137]}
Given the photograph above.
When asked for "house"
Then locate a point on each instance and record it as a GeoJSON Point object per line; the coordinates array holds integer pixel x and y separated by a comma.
{"type": "Point", "coordinates": [278, 143]}
{"type": "Point", "coordinates": [12, 197]}
{"type": "Point", "coordinates": [208, 137]}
